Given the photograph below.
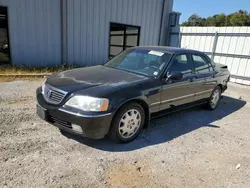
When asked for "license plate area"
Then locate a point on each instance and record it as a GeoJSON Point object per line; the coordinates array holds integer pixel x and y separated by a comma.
{"type": "Point", "coordinates": [41, 112]}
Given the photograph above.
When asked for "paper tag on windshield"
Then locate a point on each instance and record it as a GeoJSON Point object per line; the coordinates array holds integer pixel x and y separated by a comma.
{"type": "Point", "coordinates": [156, 53]}
{"type": "Point", "coordinates": [155, 73]}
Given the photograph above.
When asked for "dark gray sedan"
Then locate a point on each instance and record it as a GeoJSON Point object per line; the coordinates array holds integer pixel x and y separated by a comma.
{"type": "Point", "coordinates": [119, 98]}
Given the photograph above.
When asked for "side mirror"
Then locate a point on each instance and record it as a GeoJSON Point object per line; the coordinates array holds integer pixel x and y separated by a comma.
{"type": "Point", "coordinates": [175, 76]}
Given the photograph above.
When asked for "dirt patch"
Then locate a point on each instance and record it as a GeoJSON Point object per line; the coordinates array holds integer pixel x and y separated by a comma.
{"type": "Point", "coordinates": [14, 150]}
{"type": "Point", "coordinates": [128, 175]}
{"type": "Point", "coordinates": [20, 101]}
{"type": "Point", "coordinates": [192, 148]}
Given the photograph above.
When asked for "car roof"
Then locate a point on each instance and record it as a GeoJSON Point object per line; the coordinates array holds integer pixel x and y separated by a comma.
{"type": "Point", "coordinates": [167, 49]}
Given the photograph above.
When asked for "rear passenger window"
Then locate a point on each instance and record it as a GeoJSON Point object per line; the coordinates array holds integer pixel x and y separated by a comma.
{"type": "Point", "coordinates": [201, 64]}
{"type": "Point", "coordinates": [181, 64]}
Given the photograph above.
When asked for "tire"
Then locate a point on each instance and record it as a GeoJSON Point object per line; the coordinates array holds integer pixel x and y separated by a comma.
{"type": "Point", "coordinates": [129, 118]}
{"type": "Point", "coordinates": [63, 132]}
{"type": "Point", "coordinates": [214, 98]}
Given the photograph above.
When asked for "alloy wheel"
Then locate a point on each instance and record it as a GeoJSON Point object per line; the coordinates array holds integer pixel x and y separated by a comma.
{"type": "Point", "coordinates": [130, 123]}
{"type": "Point", "coordinates": [215, 98]}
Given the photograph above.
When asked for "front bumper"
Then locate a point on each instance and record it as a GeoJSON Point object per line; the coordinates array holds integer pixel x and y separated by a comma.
{"type": "Point", "coordinates": [94, 126]}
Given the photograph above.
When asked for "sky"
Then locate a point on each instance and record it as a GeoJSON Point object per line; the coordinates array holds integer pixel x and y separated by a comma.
{"type": "Point", "coordinates": [205, 8]}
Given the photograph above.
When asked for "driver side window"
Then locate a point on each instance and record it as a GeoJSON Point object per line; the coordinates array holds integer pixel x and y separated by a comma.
{"type": "Point", "coordinates": [181, 64]}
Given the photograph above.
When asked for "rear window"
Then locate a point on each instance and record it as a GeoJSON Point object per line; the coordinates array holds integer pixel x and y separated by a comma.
{"type": "Point", "coordinates": [201, 64]}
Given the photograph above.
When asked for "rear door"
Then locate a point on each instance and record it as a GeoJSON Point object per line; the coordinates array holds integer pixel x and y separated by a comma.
{"type": "Point", "coordinates": [204, 71]}
{"type": "Point", "coordinates": [175, 93]}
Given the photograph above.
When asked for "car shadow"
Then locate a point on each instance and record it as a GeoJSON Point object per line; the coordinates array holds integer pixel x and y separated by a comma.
{"type": "Point", "coordinates": [171, 126]}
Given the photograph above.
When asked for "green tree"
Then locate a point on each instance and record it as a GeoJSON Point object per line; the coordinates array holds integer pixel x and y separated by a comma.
{"type": "Point", "coordinates": [210, 21]}
{"type": "Point", "coordinates": [227, 22]}
{"type": "Point", "coordinates": [220, 19]}
{"type": "Point", "coordinates": [185, 24]}
{"type": "Point", "coordinates": [240, 18]}
{"type": "Point", "coordinates": [194, 20]}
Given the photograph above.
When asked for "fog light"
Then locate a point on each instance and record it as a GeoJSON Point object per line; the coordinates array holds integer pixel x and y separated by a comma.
{"type": "Point", "coordinates": [77, 128]}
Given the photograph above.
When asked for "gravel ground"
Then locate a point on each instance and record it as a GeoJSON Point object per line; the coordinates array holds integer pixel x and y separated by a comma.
{"type": "Point", "coordinates": [192, 148]}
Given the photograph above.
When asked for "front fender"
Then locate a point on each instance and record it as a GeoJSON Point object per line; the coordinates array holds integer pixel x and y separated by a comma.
{"type": "Point", "coordinates": [117, 102]}
{"type": "Point", "coordinates": [142, 100]}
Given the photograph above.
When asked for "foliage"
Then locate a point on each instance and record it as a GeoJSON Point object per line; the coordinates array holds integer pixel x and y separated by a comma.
{"type": "Point", "coordinates": [240, 18]}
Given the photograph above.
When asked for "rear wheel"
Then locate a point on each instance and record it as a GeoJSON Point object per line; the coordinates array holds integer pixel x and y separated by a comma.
{"type": "Point", "coordinates": [214, 98]}
{"type": "Point", "coordinates": [127, 123]}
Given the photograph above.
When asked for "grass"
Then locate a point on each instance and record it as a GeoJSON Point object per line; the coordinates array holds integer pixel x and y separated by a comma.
{"type": "Point", "coordinates": [27, 70]}
{"type": "Point", "coordinates": [12, 71]}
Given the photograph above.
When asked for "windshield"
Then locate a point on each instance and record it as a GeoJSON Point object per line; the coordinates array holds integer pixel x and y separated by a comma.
{"type": "Point", "coordinates": [141, 61]}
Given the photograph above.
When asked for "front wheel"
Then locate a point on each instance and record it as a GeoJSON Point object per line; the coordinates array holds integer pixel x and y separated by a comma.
{"type": "Point", "coordinates": [214, 98]}
{"type": "Point", "coordinates": [127, 123]}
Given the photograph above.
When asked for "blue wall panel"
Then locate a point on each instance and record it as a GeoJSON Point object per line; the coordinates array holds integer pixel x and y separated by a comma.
{"type": "Point", "coordinates": [34, 31]}
{"type": "Point", "coordinates": [88, 26]}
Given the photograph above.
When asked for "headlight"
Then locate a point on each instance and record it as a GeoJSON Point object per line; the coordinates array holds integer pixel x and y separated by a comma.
{"type": "Point", "coordinates": [43, 86]}
{"type": "Point", "coordinates": [87, 103]}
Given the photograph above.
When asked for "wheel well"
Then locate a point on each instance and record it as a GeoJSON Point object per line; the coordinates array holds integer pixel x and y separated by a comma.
{"type": "Point", "coordinates": [220, 85]}
{"type": "Point", "coordinates": [146, 110]}
{"type": "Point", "coordinates": [145, 107]}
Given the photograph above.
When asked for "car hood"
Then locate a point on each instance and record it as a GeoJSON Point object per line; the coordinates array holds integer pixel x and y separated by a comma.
{"type": "Point", "coordinates": [84, 78]}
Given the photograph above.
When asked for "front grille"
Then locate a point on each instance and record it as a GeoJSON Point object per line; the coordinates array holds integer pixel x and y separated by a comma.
{"type": "Point", "coordinates": [53, 95]}
{"type": "Point", "coordinates": [57, 121]}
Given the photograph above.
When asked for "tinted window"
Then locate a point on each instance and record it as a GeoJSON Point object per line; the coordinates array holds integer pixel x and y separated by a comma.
{"type": "Point", "coordinates": [201, 65]}
{"type": "Point", "coordinates": [181, 64]}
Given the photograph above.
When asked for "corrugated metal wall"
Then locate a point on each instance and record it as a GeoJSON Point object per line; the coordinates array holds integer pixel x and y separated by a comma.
{"type": "Point", "coordinates": [88, 26]}
{"type": "Point", "coordinates": [232, 49]}
{"type": "Point", "coordinates": [35, 31]}
{"type": "Point", "coordinates": [35, 28]}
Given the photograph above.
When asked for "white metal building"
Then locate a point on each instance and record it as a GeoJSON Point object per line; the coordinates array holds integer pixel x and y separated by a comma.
{"type": "Point", "coordinates": [226, 45]}
{"type": "Point", "coordinates": [85, 32]}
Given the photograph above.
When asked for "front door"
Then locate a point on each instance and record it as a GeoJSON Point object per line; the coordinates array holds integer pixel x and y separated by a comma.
{"type": "Point", "coordinates": [175, 93]}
